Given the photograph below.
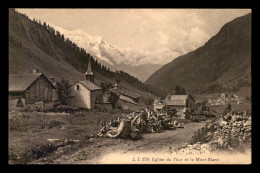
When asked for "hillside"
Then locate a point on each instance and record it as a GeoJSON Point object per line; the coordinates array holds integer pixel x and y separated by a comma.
{"type": "Point", "coordinates": [225, 61]}
{"type": "Point", "coordinates": [33, 44]}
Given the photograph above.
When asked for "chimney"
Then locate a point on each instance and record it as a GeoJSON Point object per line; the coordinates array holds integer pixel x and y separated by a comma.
{"type": "Point", "coordinates": [35, 70]}
{"type": "Point", "coordinates": [52, 79]}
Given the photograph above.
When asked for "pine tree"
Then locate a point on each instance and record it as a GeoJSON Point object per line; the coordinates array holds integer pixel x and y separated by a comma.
{"type": "Point", "coordinates": [179, 90]}
{"type": "Point", "coordinates": [63, 91]}
{"type": "Point", "coordinates": [58, 34]}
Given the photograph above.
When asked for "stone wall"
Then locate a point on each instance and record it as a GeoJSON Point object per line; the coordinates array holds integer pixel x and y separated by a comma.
{"type": "Point", "coordinates": [229, 135]}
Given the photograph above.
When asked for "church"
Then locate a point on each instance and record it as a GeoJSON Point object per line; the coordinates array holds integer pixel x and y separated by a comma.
{"type": "Point", "coordinates": [84, 93]}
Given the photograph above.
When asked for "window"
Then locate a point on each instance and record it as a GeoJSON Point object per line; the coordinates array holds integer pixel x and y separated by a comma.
{"type": "Point", "coordinates": [77, 87]}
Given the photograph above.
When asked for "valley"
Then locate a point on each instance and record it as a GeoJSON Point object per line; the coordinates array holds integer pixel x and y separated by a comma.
{"type": "Point", "coordinates": [75, 98]}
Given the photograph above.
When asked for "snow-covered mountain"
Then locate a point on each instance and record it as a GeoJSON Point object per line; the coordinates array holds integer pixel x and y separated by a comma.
{"type": "Point", "coordinates": [112, 56]}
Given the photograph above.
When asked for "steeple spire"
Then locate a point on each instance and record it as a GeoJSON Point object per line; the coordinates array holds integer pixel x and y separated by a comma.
{"type": "Point", "coordinates": [89, 74]}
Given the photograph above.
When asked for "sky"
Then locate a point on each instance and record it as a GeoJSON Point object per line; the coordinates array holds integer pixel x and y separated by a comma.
{"type": "Point", "coordinates": [167, 33]}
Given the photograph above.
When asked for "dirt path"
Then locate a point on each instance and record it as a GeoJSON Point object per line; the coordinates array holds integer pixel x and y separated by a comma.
{"type": "Point", "coordinates": [165, 142]}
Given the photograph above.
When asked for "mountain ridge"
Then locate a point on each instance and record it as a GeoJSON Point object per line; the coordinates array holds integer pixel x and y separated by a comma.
{"type": "Point", "coordinates": [223, 60]}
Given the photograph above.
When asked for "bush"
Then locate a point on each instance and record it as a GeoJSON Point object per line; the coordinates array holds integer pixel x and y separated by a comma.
{"type": "Point", "coordinates": [32, 154]}
{"type": "Point", "coordinates": [43, 151]}
{"type": "Point", "coordinates": [204, 135]}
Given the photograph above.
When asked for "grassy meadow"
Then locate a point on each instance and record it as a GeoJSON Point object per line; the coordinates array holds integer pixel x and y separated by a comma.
{"type": "Point", "coordinates": [29, 131]}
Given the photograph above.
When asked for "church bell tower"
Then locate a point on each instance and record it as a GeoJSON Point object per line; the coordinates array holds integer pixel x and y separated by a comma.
{"type": "Point", "coordinates": [89, 75]}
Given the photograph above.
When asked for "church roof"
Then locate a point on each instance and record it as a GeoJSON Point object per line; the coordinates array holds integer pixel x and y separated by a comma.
{"type": "Point", "coordinates": [90, 85]}
{"type": "Point", "coordinates": [89, 71]}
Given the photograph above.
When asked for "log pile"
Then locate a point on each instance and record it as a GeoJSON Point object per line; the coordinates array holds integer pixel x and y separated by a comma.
{"type": "Point", "coordinates": [136, 123]}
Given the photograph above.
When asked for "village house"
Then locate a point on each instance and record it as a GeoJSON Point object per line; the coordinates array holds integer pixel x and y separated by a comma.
{"type": "Point", "coordinates": [33, 91]}
{"type": "Point", "coordinates": [125, 92]}
{"type": "Point", "coordinates": [180, 102]}
{"type": "Point", "coordinates": [84, 93]}
{"type": "Point", "coordinates": [184, 104]}
{"type": "Point", "coordinates": [125, 102]}
{"type": "Point", "coordinates": [127, 99]}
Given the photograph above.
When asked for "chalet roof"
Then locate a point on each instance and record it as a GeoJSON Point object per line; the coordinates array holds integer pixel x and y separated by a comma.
{"type": "Point", "coordinates": [20, 82]}
{"type": "Point", "coordinates": [127, 99]}
{"type": "Point", "coordinates": [176, 100]}
{"type": "Point", "coordinates": [90, 85]}
{"type": "Point", "coordinates": [125, 92]}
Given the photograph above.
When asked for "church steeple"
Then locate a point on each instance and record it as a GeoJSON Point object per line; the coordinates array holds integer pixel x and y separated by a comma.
{"type": "Point", "coordinates": [89, 74]}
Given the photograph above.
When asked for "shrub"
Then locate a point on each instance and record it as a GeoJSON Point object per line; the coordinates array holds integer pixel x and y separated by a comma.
{"type": "Point", "coordinates": [204, 135]}
{"type": "Point", "coordinates": [43, 151]}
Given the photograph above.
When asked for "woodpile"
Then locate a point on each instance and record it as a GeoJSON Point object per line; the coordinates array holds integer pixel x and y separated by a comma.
{"type": "Point", "coordinates": [136, 123]}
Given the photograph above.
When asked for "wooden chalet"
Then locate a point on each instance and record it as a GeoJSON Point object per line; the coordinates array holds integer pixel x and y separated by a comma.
{"type": "Point", "coordinates": [34, 89]}
{"type": "Point", "coordinates": [127, 98]}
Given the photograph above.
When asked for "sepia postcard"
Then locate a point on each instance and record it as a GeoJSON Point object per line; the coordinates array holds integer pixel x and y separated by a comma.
{"type": "Point", "coordinates": [129, 86]}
